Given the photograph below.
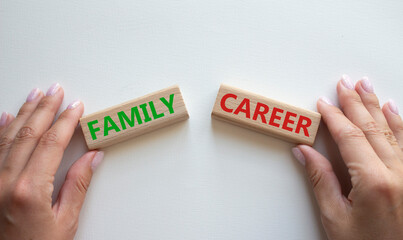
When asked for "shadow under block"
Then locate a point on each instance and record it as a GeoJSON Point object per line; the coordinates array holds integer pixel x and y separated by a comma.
{"type": "Point", "coordinates": [134, 118]}
{"type": "Point", "coordinates": [266, 115]}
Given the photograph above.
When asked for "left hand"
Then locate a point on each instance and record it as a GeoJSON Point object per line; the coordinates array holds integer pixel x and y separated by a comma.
{"type": "Point", "coordinates": [30, 153]}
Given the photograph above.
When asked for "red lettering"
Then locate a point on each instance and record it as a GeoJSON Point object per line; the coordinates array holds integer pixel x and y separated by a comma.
{"type": "Point", "coordinates": [245, 103]}
{"type": "Point", "coordinates": [305, 126]}
{"type": "Point", "coordinates": [224, 98]}
{"type": "Point", "coordinates": [279, 118]}
{"type": "Point", "coordinates": [287, 120]}
{"type": "Point", "coordinates": [274, 116]}
{"type": "Point", "coordinates": [259, 112]}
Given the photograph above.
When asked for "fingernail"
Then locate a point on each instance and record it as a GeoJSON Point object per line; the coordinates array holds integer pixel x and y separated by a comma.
{"type": "Point", "coordinates": [326, 100]}
{"type": "Point", "coordinates": [298, 155]}
{"type": "Point", "coordinates": [53, 89]}
{"type": "Point", "coordinates": [345, 79]}
{"type": "Point", "coordinates": [74, 104]}
{"type": "Point", "coordinates": [33, 94]}
{"type": "Point", "coordinates": [366, 85]}
{"type": "Point", "coordinates": [97, 160]}
{"type": "Point", "coordinates": [393, 107]}
{"type": "Point", "coordinates": [3, 119]}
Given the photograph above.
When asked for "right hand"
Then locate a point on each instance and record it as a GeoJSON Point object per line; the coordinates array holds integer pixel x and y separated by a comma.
{"type": "Point", "coordinates": [370, 140]}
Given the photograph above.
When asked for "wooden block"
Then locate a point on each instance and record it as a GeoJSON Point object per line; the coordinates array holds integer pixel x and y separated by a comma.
{"type": "Point", "coordinates": [266, 115]}
{"type": "Point", "coordinates": [134, 118]}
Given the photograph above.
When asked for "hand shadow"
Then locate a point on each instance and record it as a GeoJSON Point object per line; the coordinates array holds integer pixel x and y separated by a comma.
{"type": "Point", "coordinates": [76, 148]}
{"type": "Point", "coordinates": [333, 155]}
{"type": "Point", "coordinates": [270, 145]}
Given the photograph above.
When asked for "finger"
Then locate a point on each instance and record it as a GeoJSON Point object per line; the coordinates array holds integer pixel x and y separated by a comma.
{"type": "Point", "coordinates": [324, 181]}
{"type": "Point", "coordinates": [72, 194]}
{"type": "Point", "coordinates": [366, 91]}
{"type": "Point", "coordinates": [394, 120]}
{"type": "Point", "coordinates": [349, 138]}
{"type": "Point", "coordinates": [356, 112]}
{"type": "Point", "coordinates": [7, 138]}
{"type": "Point", "coordinates": [5, 120]}
{"type": "Point", "coordinates": [32, 130]}
{"type": "Point", "coordinates": [49, 152]}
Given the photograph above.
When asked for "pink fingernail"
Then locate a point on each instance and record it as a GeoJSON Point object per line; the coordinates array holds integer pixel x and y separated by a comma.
{"type": "Point", "coordinates": [366, 85]}
{"type": "Point", "coordinates": [326, 100]}
{"type": "Point", "coordinates": [298, 155]}
{"type": "Point", "coordinates": [345, 79]}
{"type": "Point", "coordinates": [74, 104]}
{"type": "Point", "coordinates": [3, 119]}
{"type": "Point", "coordinates": [97, 160]}
{"type": "Point", "coordinates": [33, 94]}
{"type": "Point", "coordinates": [53, 89]}
{"type": "Point", "coordinates": [393, 107]}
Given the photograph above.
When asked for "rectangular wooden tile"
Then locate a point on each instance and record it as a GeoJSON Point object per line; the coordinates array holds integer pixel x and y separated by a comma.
{"type": "Point", "coordinates": [266, 115]}
{"type": "Point", "coordinates": [134, 118]}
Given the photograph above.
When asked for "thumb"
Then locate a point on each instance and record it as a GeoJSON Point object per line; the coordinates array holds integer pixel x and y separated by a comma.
{"type": "Point", "coordinates": [323, 179]}
{"type": "Point", "coordinates": [72, 194]}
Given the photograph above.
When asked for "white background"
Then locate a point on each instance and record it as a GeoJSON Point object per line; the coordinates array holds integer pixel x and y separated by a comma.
{"type": "Point", "coordinates": [199, 179]}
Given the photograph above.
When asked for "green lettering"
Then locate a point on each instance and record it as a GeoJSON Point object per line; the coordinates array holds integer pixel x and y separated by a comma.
{"type": "Point", "coordinates": [146, 116]}
{"type": "Point", "coordinates": [169, 104]}
{"type": "Point", "coordinates": [92, 129]}
{"type": "Point", "coordinates": [108, 120]}
{"type": "Point", "coordinates": [154, 112]}
{"type": "Point", "coordinates": [123, 117]}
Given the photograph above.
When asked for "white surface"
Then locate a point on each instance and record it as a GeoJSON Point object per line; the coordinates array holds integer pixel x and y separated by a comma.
{"type": "Point", "coordinates": [201, 179]}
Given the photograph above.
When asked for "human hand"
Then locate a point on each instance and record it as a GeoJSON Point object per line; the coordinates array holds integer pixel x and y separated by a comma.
{"type": "Point", "coordinates": [370, 140]}
{"type": "Point", "coordinates": [30, 153]}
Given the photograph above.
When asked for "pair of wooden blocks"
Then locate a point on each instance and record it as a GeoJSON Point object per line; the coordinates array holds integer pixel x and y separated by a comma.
{"type": "Point", "coordinates": [165, 107]}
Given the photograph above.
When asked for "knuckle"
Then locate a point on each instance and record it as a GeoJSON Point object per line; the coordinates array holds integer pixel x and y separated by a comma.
{"type": "Point", "coordinates": [390, 137]}
{"type": "Point", "coordinates": [65, 116]}
{"type": "Point", "coordinates": [373, 104]}
{"type": "Point", "coordinates": [80, 181]}
{"type": "Point", "coordinates": [26, 133]}
{"type": "Point", "coordinates": [24, 111]}
{"type": "Point", "coordinates": [338, 112]}
{"type": "Point", "coordinates": [50, 138]}
{"type": "Point", "coordinates": [45, 104]}
{"type": "Point", "coordinates": [350, 132]}
{"type": "Point", "coordinates": [68, 117]}
{"type": "Point", "coordinates": [386, 189]}
{"type": "Point", "coordinates": [82, 184]}
{"type": "Point", "coordinates": [315, 176]}
{"type": "Point", "coordinates": [371, 128]}
{"type": "Point", "coordinates": [350, 100]}
{"type": "Point", "coordinates": [22, 193]}
{"type": "Point", "coordinates": [398, 128]}
{"type": "Point", "coordinates": [5, 142]}
{"type": "Point", "coordinates": [356, 100]}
